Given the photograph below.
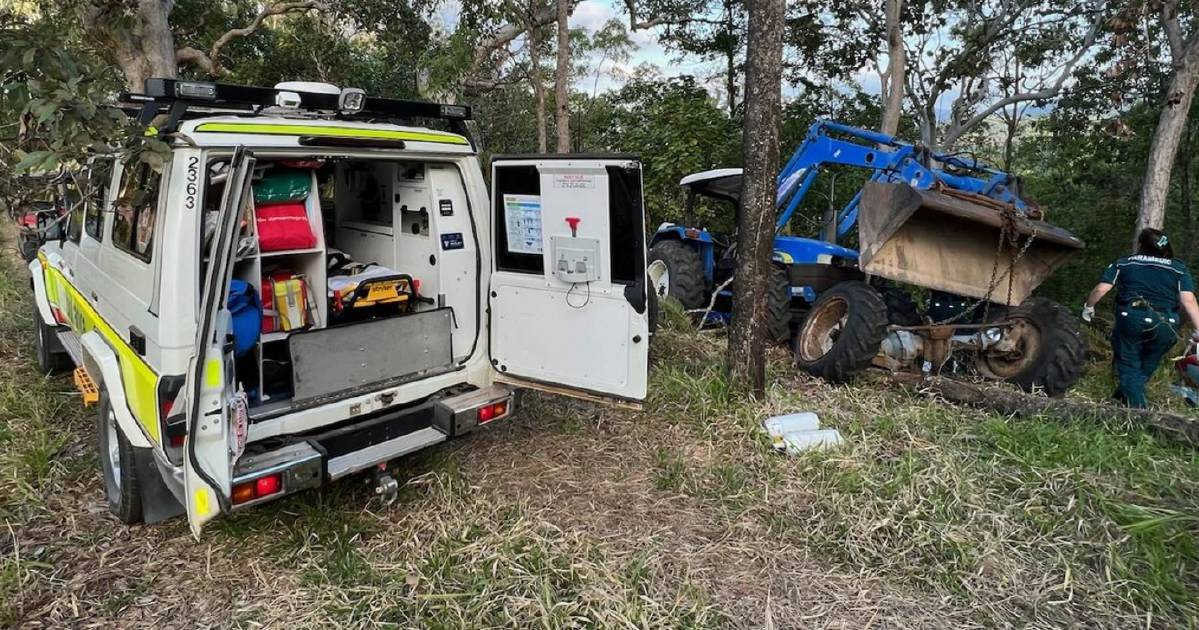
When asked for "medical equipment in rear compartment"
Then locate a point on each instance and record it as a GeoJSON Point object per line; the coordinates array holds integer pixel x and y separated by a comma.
{"type": "Point", "coordinates": [287, 302]}
{"type": "Point", "coordinates": [366, 291]}
{"type": "Point", "coordinates": [281, 212]}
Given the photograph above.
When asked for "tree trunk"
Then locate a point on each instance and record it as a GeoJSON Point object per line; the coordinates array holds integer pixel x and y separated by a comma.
{"type": "Point", "coordinates": [755, 229]}
{"type": "Point", "coordinates": [1014, 403]}
{"type": "Point", "coordinates": [730, 76]}
{"type": "Point", "coordinates": [538, 87]}
{"type": "Point", "coordinates": [1011, 126]}
{"type": "Point", "coordinates": [1170, 124]}
{"type": "Point", "coordinates": [1185, 200]}
{"type": "Point", "coordinates": [143, 47]}
{"type": "Point", "coordinates": [896, 68]}
{"type": "Point", "coordinates": [562, 78]}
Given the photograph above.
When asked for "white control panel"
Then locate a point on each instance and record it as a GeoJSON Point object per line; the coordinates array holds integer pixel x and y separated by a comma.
{"type": "Point", "coordinates": [576, 258]}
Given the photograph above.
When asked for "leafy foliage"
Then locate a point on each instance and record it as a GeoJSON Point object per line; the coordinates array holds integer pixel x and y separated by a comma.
{"type": "Point", "coordinates": [51, 107]}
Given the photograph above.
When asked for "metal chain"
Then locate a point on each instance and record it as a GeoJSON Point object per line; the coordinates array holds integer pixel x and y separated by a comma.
{"type": "Point", "coordinates": [1010, 236]}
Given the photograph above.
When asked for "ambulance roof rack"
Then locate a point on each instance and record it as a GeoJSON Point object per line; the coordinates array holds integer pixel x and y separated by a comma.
{"type": "Point", "coordinates": [181, 100]}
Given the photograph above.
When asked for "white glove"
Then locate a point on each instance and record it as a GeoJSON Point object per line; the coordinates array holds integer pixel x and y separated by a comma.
{"type": "Point", "coordinates": [1088, 312]}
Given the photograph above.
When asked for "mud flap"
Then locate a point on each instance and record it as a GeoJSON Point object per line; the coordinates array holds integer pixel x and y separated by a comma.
{"type": "Point", "coordinates": [158, 502]}
{"type": "Point", "coordinates": [950, 241]}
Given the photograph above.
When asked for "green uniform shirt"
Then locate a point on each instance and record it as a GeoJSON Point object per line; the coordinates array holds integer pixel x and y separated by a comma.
{"type": "Point", "coordinates": [1154, 280]}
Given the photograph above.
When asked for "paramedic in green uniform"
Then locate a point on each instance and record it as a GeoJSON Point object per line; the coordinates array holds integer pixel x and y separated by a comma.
{"type": "Point", "coordinates": [1150, 288]}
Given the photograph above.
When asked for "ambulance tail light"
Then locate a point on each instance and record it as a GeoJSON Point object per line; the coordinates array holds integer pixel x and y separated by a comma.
{"type": "Point", "coordinates": [59, 316]}
{"type": "Point", "coordinates": [494, 411]}
{"type": "Point", "coordinates": [260, 488]}
{"type": "Point", "coordinates": [464, 412]}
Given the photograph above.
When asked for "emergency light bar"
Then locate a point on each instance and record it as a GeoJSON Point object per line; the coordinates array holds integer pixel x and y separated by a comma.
{"type": "Point", "coordinates": [175, 97]}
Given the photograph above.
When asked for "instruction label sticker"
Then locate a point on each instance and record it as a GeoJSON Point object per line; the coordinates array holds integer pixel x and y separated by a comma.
{"type": "Point", "coordinates": [522, 218]}
{"type": "Point", "coordinates": [574, 180]}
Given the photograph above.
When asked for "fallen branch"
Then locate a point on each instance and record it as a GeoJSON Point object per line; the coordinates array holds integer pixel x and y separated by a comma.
{"type": "Point", "coordinates": [1023, 405]}
{"type": "Point", "coordinates": [711, 303]}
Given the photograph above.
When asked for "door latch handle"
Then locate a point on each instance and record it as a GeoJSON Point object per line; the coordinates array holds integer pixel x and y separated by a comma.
{"type": "Point", "coordinates": [95, 297]}
{"type": "Point", "coordinates": [137, 341]}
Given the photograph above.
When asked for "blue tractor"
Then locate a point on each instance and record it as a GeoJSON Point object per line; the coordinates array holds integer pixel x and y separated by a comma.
{"type": "Point", "coordinates": [955, 229]}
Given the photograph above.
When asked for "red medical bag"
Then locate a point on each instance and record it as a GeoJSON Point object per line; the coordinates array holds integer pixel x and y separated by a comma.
{"type": "Point", "coordinates": [283, 226]}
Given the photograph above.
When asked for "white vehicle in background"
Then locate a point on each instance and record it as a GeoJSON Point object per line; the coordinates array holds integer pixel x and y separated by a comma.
{"type": "Point", "coordinates": [312, 287]}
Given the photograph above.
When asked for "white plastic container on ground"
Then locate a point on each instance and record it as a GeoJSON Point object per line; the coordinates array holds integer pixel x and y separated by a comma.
{"type": "Point", "coordinates": [797, 432]}
{"type": "Point", "coordinates": [801, 441]}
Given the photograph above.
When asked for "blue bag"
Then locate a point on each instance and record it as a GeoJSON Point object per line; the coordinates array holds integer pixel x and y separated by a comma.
{"type": "Point", "coordinates": [246, 312]}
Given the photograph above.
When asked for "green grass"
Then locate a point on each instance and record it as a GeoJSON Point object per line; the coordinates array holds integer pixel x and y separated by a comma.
{"type": "Point", "coordinates": [1045, 521]}
{"type": "Point", "coordinates": [1042, 518]}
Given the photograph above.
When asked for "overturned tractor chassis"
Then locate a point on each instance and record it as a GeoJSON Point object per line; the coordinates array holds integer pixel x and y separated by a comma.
{"type": "Point", "coordinates": [986, 255]}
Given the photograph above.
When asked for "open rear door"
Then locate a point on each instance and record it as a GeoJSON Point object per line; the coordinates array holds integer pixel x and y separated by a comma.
{"type": "Point", "coordinates": [212, 443]}
{"type": "Point", "coordinates": [568, 300]}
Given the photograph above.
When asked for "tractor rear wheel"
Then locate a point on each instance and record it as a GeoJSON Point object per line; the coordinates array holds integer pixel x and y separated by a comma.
{"type": "Point", "coordinates": [842, 333]}
{"type": "Point", "coordinates": [778, 306]}
{"type": "Point", "coordinates": [676, 271]}
{"type": "Point", "coordinates": [1047, 352]}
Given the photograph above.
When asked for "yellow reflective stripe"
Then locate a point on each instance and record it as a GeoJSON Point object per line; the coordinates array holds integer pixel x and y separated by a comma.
{"type": "Point", "coordinates": [330, 132]}
{"type": "Point", "coordinates": [138, 379]}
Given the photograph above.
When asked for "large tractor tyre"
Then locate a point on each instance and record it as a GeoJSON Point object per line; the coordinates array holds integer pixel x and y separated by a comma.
{"type": "Point", "coordinates": [842, 332]}
{"type": "Point", "coordinates": [118, 467]}
{"type": "Point", "coordinates": [901, 308]}
{"type": "Point", "coordinates": [676, 271]}
{"type": "Point", "coordinates": [1049, 353]}
{"type": "Point", "coordinates": [778, 306]}
{"type": "Point", "coordinates": [51, 357]}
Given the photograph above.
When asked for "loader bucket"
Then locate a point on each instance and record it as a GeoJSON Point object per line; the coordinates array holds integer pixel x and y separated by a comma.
{"type": "Point", "coordinates": [950, 241]}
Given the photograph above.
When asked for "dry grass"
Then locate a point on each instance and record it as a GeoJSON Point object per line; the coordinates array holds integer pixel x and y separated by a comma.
{"type": "Point", "coordinates": [574, 515]}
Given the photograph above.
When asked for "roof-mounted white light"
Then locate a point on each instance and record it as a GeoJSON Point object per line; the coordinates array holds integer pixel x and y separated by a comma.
{"type": "Point", "coordinates": [196, 90]}
{"type": "Point", "coordinates": [351, 100]}
{"type": "Point", "coordinates": [308, 86]}
{"type": "Point", "coordinates": [290, 100]}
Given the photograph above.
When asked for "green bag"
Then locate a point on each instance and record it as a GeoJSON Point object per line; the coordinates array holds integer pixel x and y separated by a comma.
{"type": "Point", "coordinates": [279, 185]}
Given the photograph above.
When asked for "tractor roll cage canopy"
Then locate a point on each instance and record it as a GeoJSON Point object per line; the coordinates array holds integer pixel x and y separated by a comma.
{"type": "Point", "coordinates": [180, 99]}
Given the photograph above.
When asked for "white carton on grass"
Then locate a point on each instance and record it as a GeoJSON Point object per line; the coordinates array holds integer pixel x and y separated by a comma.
{"type": "Point", "coordinates": [800, 441]}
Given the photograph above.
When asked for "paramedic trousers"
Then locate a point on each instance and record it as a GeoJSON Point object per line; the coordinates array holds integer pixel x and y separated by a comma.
{"type": "Point", "coordinates": [1140, 339]}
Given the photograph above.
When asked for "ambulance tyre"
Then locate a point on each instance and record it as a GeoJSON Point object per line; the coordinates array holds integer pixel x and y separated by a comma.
{"type": "Point", "coordinates": [117, 466]}
{"type": "Point", "coordinates": [51, 358]}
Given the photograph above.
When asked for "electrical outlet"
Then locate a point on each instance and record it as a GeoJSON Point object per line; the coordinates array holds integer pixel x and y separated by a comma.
{"type": "Point", "coordinates": [576, 259]}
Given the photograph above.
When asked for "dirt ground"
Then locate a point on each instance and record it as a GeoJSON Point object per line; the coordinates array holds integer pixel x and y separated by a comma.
{"type": "Point", "coordinates": [572, 514]}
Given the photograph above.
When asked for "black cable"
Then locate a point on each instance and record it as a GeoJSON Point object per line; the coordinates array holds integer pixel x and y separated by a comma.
{"type": "Point", "coordinates": [585, 301]}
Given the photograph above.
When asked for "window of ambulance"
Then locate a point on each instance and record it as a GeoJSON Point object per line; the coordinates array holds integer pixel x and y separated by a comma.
{"type": "Point", "coordinates": [135, 210]}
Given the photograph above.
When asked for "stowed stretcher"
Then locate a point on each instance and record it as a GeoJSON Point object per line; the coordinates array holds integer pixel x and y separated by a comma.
{"type": "Point", "coordinates": [374, 291]}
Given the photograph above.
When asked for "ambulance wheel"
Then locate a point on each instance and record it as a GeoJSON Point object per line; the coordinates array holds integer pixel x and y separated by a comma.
{"type": "Point", "coordinates": [842, 333]}
{"type": "Point", "coordinates": [51, 358]}
{"type": "Point", "coordinates": [1045, 352]}
{"type": "Point", "coordinates": [778, 305]}
{"type": "Point", "coordinates": [117, 467]}
{"type": "Point", "coordinates": [676, 271]}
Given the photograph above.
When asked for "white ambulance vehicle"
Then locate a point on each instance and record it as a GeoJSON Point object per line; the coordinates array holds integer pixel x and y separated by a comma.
{"type": "Point", "coordinates": [312, 286]}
